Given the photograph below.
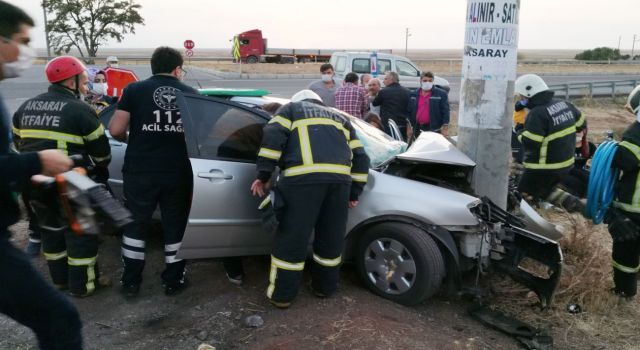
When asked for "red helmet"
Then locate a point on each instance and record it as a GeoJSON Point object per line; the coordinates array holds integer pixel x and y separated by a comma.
{"type": "Point", "coordinates": [63, 67]}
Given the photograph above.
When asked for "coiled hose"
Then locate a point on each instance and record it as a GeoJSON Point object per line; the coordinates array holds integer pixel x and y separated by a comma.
{"type": "Point", "coordinates": [602, 179]}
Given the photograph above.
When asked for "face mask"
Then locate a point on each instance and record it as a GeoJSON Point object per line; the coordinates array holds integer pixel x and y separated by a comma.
{"type": "Point", "coordinates": [426, 85]}
{"type": "Point", "coordinates": [114, 65]}
{"type": "Point", "coordinates": [99, 88]}
{"type": "Point", "coordinates": [25, 58]}
{"type": "Point", "coordinates": [327, 77]}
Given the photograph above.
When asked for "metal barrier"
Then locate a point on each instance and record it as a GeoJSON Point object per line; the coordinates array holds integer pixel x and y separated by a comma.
{"type": "Point", "coordinates": [594, 89]}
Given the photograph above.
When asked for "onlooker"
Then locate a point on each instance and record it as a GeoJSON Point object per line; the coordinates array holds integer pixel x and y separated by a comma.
{"type": "Point", "coordinates": [429, 107]}
{"type": "Point", "coordinates": [25, 296]}
{"type": "Point", "coordinates": [373, 88]}
{"type": "Point", "coordinates": [393, 100]}
{"type": "Point", "coordinates": [374, 119]}
{"type": "Point", "coordinates": [325, 87]}
{"type": "Point", "coordinates": [352, 98]}
{"type": "Point", "coordinates": [98, 98]}
{"type": "Point", "coordinates": [364, 80]}
{"type": "Point", "coordinates": [112, 62]}
{"type": "Point", "coordinates": [156, 170]}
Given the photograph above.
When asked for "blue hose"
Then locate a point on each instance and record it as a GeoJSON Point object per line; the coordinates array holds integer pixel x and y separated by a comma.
{"type": "Point", "coordinates": [602, 179]}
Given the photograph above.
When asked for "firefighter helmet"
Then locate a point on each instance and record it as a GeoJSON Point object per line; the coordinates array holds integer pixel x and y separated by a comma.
{"type": "Point", "coordinates": [633, 101]}
{"type": "Point", "coordinates": [62, 68]}
{"type": "Point", "coordinates": [529, 85]}
{"type": "Point", "coordinates": [305, 95]}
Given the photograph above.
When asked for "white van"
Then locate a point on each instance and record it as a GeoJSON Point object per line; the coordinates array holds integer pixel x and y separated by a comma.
{"type": "Point", "coordinates": [360, 63]}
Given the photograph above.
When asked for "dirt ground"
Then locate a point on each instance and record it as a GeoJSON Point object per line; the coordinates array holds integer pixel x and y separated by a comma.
{"type": "Point", "coordinates": [213, 311]}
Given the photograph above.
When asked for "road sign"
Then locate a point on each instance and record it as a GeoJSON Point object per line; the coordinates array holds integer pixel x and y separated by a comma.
{"type": "Point", "coordinates": [118, 79]}
{"type": "Point", "coordinates": [188, 53]}
{"type": "Point", "coordinates": [189, 44]}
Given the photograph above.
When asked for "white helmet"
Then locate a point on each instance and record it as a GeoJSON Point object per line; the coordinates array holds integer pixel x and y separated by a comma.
{"type": "Point", "coordinates": [633, 101]}
{"type": "Point", "coordinates": [305, 95]}
{"type": "Point", "coordinates": [112, 59]}
{"type": "Point", "coordinates": [529, 85]}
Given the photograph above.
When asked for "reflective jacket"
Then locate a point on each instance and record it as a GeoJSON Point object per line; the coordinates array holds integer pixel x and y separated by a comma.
{"type": "Point", "coordinates": [311, 144]}
{"type": "Point", "coordinates": [57, 119]}
{"type": "Point", "coordinates": [627, 159]}
{"type": "Point", "coordinates": [549, 134]}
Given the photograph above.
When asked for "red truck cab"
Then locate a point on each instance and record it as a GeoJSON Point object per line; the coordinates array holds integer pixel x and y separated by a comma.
{"type": "Point", "coordinates": [252, 45]}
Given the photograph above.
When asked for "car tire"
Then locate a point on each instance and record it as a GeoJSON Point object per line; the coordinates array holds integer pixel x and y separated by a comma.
{"type": "Point", "coordinates": [400, 262]}
{"type": "Point", "coordinates": [252, 60]}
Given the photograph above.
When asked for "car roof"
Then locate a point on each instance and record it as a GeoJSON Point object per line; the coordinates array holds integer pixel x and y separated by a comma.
{"type": "Point", "coordinates": [233, 92]}
{"type": "Point", "coordinates": [367, 54]}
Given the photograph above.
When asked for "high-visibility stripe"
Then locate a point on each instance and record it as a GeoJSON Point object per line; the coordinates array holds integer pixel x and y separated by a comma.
{"type": "Point", "coordinates": [318, 168]}
{"type": "Point", "coordinates": [327, 262]}
{"type": "Point", "coordinates": [580, 121]}
{"type": "Point", "coordinates": [55, 256]}
{"type": "Point", "coordinates": [82, 261]}
{"type": "Point", "coordinates": [101, 159]}
{"type": "Point", "coordinates": [91, 278]}
{"type": "Point", "coordinates": [532, 136]}
{"type": "Point", "coordinates": [171, 259]}
{"type": "Point", "coordinates": [625, 269]}
{"type": "Point", "coordinates": [355, 144]}
{"type": "Point", "coordinates": [138, 243]}
{"type": "Point", "coordinates": [627, 207]}
{"type": "Point", "coordinates": [631, 147]}
{"type": "Point", "coordinates": [132, 254]}
{"type": "Point", "coordinates": [95, 134]}
{"type": "Point", "coordinates": [272, 280]}
{"type": "Point", "coordinates": [549, 166]}
{"type": "Point", "coordinates": [172, 247]}
{"type": "Point", "coordinates": [305, 145]}
{"type": "Point", "coordinates": [15, 130]}
{"type": "Point", "coordinates": [556, 135]}
{"type": "Point", "coordinates": [51, 135]}
{"type": "Point", "coordinates": [285, 265]}
{"type": "Point", "coordinates": [321, 121]}
{"type": "Point", "coordinates": [264, 202]}
{"type": "Point", "coordinates": [286, 123]}
{"type": "Point", "coordinates": [61, 145]}
{"type": "Point", "coordinates": [359, 177]}
{"type": "Point", "coordinates": [269, 153]}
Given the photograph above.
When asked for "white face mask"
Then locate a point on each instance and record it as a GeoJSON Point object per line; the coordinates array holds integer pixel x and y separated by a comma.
{"type": "Point", "coordinates": [114, 65]}
{"type": "Point", "coordinates": [327, 77]}
{"type": "Point", "coordinates": [426, 85]}
{"type": "Point", "coordinates": [25, 58]}
{"type": "Point", "coordinates": [99, 89]}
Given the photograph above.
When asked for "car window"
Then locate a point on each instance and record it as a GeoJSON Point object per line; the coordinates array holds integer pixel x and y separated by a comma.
{"type": "Point", "coordinates": [341, 64]}
{"type": "Point", "coordinates": [225, 132]}
{"type": "Point", "coordinates": [406, 69]}
{"type": "Point", "coordinates": [361, 65]}
{"type": "Point", "coordinates": [384, 66]}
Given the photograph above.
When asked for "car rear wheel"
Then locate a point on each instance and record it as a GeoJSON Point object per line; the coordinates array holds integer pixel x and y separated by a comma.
{"type": "Point", "coordinates": [400, 262]}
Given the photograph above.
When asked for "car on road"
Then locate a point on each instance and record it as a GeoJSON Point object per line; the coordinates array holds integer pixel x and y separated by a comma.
{"type": "Point", "coordinates": [418, 225]}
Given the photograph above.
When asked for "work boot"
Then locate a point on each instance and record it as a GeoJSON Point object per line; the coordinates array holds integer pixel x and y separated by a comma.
{"type": "Point", "coordinates": [573, 204]}
{"type": "Point", "coordinates": [33, 249]}
{"type": "Point", "coordinates": [237, 280]}
{"type": "Point", "coordinates": [175, 289]}
{"type": "Point", "coordinates": [279, 304]}
{"type": "Point", "coordinates": [130, 290]}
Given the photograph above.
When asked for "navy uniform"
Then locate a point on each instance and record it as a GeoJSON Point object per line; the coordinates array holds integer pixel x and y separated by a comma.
{"type": "Point", "coordinates": [58, 119]}
{"type": "Point", "coordinates": [548, 142]}
{"type": "Point", "coordinates": [323, 166]}
{"type": "Point", "coordinates": [156, 172]}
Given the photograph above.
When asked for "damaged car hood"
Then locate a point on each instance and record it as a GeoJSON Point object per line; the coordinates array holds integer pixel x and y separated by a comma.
{"type": "Point", "coordinates": [432, 147]}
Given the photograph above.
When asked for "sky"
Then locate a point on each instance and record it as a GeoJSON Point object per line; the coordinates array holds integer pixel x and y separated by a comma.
{"type": "Point", "coordinates": [352, 24]}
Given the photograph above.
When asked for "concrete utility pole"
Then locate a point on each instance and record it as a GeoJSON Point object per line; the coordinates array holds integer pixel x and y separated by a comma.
{"type": "Point", "coordinates": [406, 41]}
{"type": "Point", "coordinates": [486, 95]}
{"type": "Point", "coordinates": [46, 32]}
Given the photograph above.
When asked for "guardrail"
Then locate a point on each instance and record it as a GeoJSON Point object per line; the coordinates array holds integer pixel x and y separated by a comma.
{"type": "Point", "coordinates": [595, 89]}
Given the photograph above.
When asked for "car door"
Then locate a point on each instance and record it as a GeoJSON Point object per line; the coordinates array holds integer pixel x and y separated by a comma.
{"type": "Point", "coordinates": [223, 139]}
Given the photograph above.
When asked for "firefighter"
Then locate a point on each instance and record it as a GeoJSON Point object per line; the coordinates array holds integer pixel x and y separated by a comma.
{"type": "Point", "coordinates": [156, 168]}
{"type": "Point", "coordinates": [624, 218]}
{"type": "Point", "coordinates": [548, 142]}
{"type": "Point", "coordinates": [59, 119]}
{"type": "Point", "coordinates": [323, 169]}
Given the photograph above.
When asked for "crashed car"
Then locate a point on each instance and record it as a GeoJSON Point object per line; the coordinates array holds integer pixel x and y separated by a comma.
{"type": "Point", "coordinates": [418, 225]}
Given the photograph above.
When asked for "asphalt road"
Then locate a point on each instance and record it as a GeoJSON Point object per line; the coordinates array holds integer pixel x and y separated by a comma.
{"type": "Point", "coordinates": [33, 82]}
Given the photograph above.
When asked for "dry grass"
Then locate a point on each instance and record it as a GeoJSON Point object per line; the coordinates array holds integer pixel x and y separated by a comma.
{"type": "Point", "coordinates": [607, 321]}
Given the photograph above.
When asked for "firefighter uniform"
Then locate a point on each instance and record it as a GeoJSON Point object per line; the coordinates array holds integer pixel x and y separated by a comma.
{"type": "Point", "coordinates": [57, 119]}
{"type": "Point", "coordinates": [156, 172]}
{"type": "Point", "coordinates": [322, 167]}
{"type": "Point", "coordinates": [626, 250]}
{"type": "Point", "coordinates": [548, 140]}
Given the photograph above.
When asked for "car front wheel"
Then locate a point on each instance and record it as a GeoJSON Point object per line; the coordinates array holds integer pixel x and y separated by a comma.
{"type": "Point", "coordinates": [400, 262]}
